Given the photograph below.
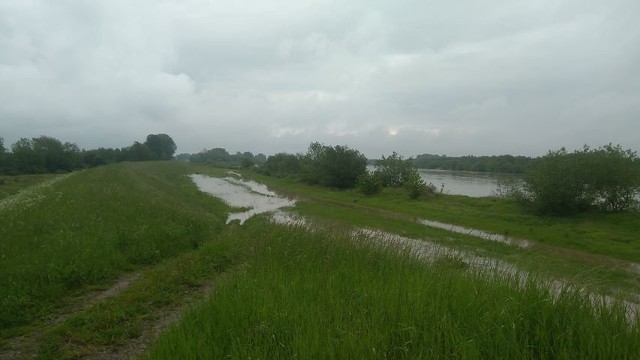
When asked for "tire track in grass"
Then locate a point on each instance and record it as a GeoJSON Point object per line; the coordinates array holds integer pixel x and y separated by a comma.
{"type": "Point", "coordinates": [26, 345]}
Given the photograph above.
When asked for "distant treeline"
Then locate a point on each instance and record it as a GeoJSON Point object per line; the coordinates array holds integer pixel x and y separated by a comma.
{"type": "Point", "coordinates": [497, 164]}
{"type": "Point", "coordinates": [220, 157]}
{"type": "Point", "coordinates": [46, 154]}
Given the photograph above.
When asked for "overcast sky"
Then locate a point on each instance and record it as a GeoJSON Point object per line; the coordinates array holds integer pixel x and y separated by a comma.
{"type": "Point", "coordinates": [442, 77]}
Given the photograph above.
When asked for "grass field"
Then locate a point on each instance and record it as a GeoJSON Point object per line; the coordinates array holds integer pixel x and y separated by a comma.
{"type": "Point", "coordinates": [11, 185]}
{"type": "Point", "coordinates": [93, 226]}
{"type": "Point", "coordinates": [322, 296]}
{"type": "Point", "coordinates": [614, 235]}
{"type": "Point", "coordinates": [263, 290]}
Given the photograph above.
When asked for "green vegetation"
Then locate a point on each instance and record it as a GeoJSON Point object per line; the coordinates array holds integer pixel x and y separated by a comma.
{"type": "Point", "coordinates": [11, 185]}
{"type": "Point", "coordinates": [154, 297]}
{"type": "Point", "coordinates": [220, 157]}
{"type": "Point", "coordinates": [322, 295]}
{"type": "Point", "coordinates": [45, 154]}
{"type": "Point", "coordinates": [564, 183]}
{"type": "Point", "coordinates": [94, 225]}
{"type": "Point", "coordinates": [332, 166]}
{"type": "Point", "coordinates": [276, 291]}
{"type": "Point", "coordinates": [394, 171]}
{"type": "Point", "coordinates": [369, 183]}
{"type": "Point", "coordinates": [595, 232]}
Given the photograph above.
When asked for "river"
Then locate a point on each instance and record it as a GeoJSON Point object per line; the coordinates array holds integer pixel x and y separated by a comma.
{"type": "Point", "coordinates": [474, 184]}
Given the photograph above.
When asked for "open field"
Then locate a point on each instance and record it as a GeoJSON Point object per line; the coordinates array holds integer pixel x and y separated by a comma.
{"type": "Point", "coordinates": [93, 227]}
{"type": "Point", "coordinates": [104, 260]}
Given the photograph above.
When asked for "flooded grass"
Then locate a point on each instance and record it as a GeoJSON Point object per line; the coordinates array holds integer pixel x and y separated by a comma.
{"type": "Point", "coordinates": [613, 235]}
{"type": "Point", "coordinates": [241, 194]}
{"type": "Point", "coordinates": [316, 295]}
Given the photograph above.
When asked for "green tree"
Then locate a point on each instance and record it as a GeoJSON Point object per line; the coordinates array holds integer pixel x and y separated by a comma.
{"type": "Point", "coordinates": [214, 156]}
{"type": "Point", "coordinates": [337, 166]}
{"type": "Point", "coordinates": [415, 185]}
{"type": "Point", "coordinates": [161, 146]}
{"type": "Point", "coordinates": [24, 159]}
{"type": "Point", "coordinates": [394, 171]}
{"type": "Point", "coordinates": [281, 165]}
{"type": "Point", "coordinates": [138, 152]}
{"type": "Point", "coordinates": [247, 162]}
{"type": "Point", "coordinates": [55, 155]}
{"type": "Point", "coordinates": [369, 183]}
{"type": "Point", "coordinates": [565, 183]}
{"type": "Point", "coordinates": [614, 177]}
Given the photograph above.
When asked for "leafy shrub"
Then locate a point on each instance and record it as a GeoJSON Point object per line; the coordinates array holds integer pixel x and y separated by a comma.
{"type": "Point", "coordinates": [415, 185]}
{"type": "Point", "coordinates": [395, 171]}
{"type": "Point", "coordinates": [369, 183]}
{"type": "Point", "coordinates": [563, 183]}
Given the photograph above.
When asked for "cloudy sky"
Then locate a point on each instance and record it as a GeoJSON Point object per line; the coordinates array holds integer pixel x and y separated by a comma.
{"type": "Point", "coordinates": [443, 77]}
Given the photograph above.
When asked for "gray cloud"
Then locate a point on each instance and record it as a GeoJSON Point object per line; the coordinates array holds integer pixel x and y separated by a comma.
{"type": "Point", "coordinates": [459, 78]}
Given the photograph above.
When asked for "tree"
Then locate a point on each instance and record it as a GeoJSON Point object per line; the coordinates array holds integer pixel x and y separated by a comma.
{"type": "Point", "coordinates": [337, 166]}
{"type": "Point", "coordinates": [161, 146]}
{"type": "Point", "coordinates": [614, 177]}
{"type": "Point", "coordinates": [369, 183]}
{"type": "Point", "coordinates": [565, 183]}
{"type": "Point", "coordinates": [247, 162]}
{"type": "Point", "coordinates": [138, 152]}
{"type": "Point", "coordinates": [213, 156]}
{"type": "Point", "coordinates": [24, 160]}
{"type": "Point", "coordinates": [281, 165]}
{"type": "Point", "coordinates": [394, 171]}
{"type": "Point", "coordinates": [415, 185]}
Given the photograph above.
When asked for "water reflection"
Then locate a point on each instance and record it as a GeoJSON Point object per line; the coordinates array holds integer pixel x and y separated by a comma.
{"type": "Point", "coordinates": [250, 196]}
{"type": "Point", "coordinates": [467, 183]}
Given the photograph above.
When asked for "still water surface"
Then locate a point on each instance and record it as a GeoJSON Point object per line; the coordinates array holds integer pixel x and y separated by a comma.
{"type": "Point", "coordinates": [467, 183]}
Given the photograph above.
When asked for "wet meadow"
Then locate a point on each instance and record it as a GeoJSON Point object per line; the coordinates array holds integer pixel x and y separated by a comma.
{"type": "Point", "coordinates": [269, 290]}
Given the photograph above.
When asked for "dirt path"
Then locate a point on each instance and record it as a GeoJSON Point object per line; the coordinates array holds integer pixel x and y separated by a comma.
{"type": "Point", "coordinates": [152, 328]}
{"type": "Point", "coordinates": [26, 346]}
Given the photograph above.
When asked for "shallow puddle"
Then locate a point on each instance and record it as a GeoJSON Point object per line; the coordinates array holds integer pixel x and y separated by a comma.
{"type": "Point", "coordinates": [475, 233]}
{"type": "Point", "coordinates": [253, 198]}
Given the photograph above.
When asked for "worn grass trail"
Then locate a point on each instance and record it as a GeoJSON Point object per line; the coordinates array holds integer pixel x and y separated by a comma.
{"type": "Point", "coordinates": [91, 228]}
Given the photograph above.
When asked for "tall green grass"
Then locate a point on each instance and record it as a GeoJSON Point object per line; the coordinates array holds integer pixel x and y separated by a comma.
{"type": "Point", "coordinates": [11, 185]}
{"type": "Point", "coordinates": [316, 295]}
{"type": "Point", "coordinates": [93, 225]}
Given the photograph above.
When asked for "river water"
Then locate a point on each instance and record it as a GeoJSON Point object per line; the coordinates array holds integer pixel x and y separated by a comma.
{"type": "Point", "coordinates": [474, 184]}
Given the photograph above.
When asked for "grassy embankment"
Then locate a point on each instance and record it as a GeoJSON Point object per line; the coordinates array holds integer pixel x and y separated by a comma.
{"type": "Point", "coordinates": [82, 233]}
{"type": "Point", "coordinates": [297, 294]}
{"type": "Point", "coordinates": [11, 185]}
